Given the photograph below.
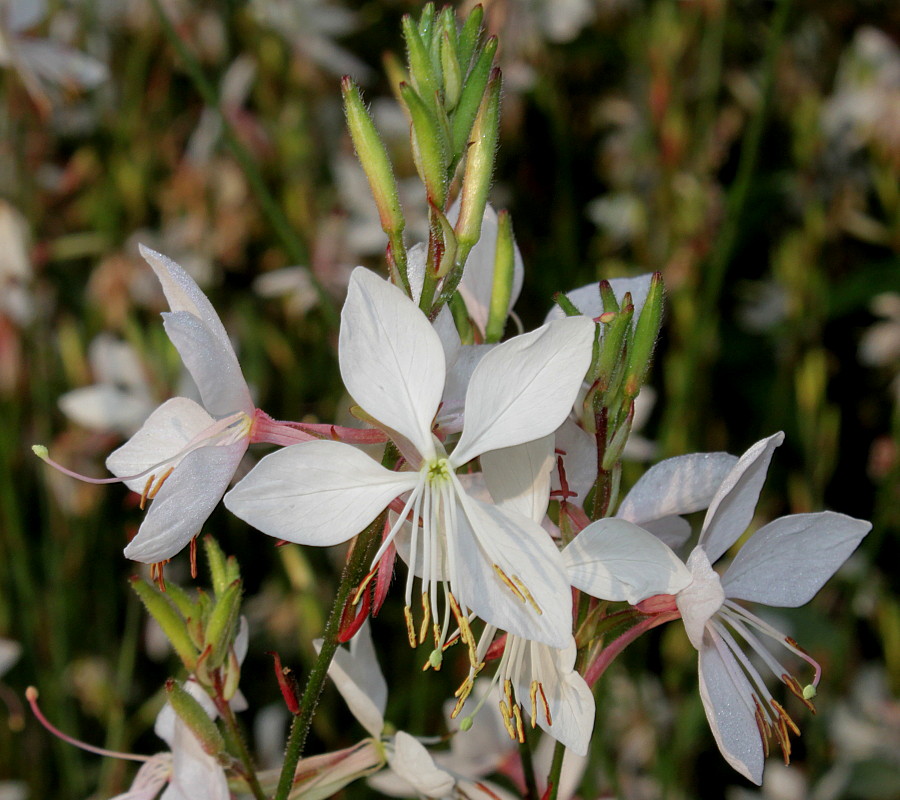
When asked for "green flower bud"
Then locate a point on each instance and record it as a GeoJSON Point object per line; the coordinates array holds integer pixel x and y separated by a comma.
{"type": "Point", "coordinates": [429, 146]}
{"type": "Point", "coordinates": [195, 717]}
{"type": "Point", "coordinates": [222, 625]}
{"type": "Point", "coordinates": [216, 559]}
{"type": "Point", "coordinates": [173, 626]}
{"type": "Point", "coordinates": [646, 332]}
{"type": "Point", "coordinates": [504, 268]}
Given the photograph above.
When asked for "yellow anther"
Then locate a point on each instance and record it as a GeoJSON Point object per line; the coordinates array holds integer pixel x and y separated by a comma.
{"type": "Point", "coordinates": [520, 728]}
{"type": "Point", "coordinates": [534, 688]}
{"type": "Point", "coordinates": [507, 718]}
{"type": "Point", "coordinates": [528, 597]}
{"type": "Point", "coordinates": [505, 578]}
{"type": "Point", "coordinates": [146, 491]}
{"type": "Point", "coordinates": [155, 490]}
{"type": "Point", "coordinates": [410, 628]}
{"type": "Point", "coordinates": [426, 618]}
{"type": "Point", "coordinates": [508, 692]}
{"type": "Point", "coordinates": [786, 717]}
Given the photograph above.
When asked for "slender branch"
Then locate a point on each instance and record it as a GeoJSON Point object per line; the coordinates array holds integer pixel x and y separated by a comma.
{"type": "Point", "coordinates": [296, 250]}
{"type": "Point", "coordinates": [354, 571]}
{"type": "Point", "coordinates": [237, 738]}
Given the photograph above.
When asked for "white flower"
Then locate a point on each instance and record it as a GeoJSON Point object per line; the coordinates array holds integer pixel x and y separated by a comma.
{"type": "Point", "coordinates": [42, 63]}
{"type": "Point", "coordinates": [499, 565]}
{"type": "Point", "coordinates": [120, 400]}
{"type": "Point", "coordinates": [784, 564]}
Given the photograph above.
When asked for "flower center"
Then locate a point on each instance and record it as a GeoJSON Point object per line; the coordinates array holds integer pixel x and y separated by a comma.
{"type": "Point", "coordinates": [700, 599]}
{"type": "Point", "coordinates": [438, 471]}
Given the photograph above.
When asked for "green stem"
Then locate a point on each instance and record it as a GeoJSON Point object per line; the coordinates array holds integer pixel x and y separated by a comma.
{"type": "Point", "coordinates": [354, 571]}
{"type": "Point", "coordinates": [559, 753]}
{"type": "Point", "coordinates": [237, 739]}
{"type": "Point", "coordinates": [296, 250]}
{"type": "Point", "coordinates": [531, 787]}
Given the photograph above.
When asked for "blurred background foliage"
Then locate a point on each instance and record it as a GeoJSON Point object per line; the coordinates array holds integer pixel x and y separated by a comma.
{"type": "Point", "coordinates": [747, 150]}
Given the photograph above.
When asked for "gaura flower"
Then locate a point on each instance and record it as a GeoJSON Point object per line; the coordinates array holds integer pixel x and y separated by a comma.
{"type": "Point", "coordinates": [784, 563]}
{"type": "Point", "coordinates": [185, 454]}
{"type": "Point", "coordinates": [498, 565]}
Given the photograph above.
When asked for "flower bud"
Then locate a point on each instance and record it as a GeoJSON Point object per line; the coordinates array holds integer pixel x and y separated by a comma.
{"type": "Point", "coordinates": [222, 625]}
{"type": "Point", "coordinates": [429, 146]}
{"type": "Point", "coordinates": [479, 168]}
{"type": "Point", "coordinates": [173, 626]}
{"type": "Point", "coordinates": [504, 268]}
{"type": "Point", "coordinates": [473, 88]}
{"type": "Point", "coordinates": [195, 717]}
{"type": "Point", "coordinates": [646, 332]}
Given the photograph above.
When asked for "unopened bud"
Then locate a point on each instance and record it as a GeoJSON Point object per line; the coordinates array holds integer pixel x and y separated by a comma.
{"type": "Point", "coordinates": [471, 96]}
{"type": "Point", "coordinates": [222, 625]}
{"type": "Point", "coordinates": [195, 717]}
{"type": "Point", "coordinates": [173, 626]}
{"type": "Point", "coordinates": [429, 146]}
{"type": "Point", "coordinates": [504, 270]}
{"type": "Point", "coordinates": [646, 332]}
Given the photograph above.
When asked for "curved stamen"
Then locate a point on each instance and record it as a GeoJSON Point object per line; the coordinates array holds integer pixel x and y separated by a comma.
{"type": "Point", "coordinates": [31, 695]}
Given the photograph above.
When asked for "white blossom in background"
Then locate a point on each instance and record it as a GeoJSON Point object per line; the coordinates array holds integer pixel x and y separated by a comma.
{"type": "Point", "coordinates": [121, 399]}
{"type": "Point", "coordinates": [43, 65]}
{"type": "Point", "coordinates": [497, 564]}
{"type": "Point", "coordinates": [15, 265]}
{"type": "Point", "coordinates": [784, 563]}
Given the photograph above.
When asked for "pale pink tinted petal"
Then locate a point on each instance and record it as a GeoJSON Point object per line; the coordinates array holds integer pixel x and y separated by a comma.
{"type": "Point", "coordinates": [615, 560]}
{"type": "Point", "coordinates": [392, 361]}
{"type": "Point", "coordinates": [195, 774]}
{"type": "Point", "coordinates": [587, 298]}
{"type": "Point", "coordinates": [487, 536]}
{"type": "Point", "coordinates": [787, 561]}
{"type": "Point", "coordinates": [167, 431]}
{"type": "Point", "coordinates": [150, 778]}
{"type": "Point", "coordinates": [211, 362]}
{"type": "Point", "coordinates": [518, 478]}
{"type": "Point", "coordinates": [20, 15]}
{"type": "Point", "coordinates": [679, 485]}
{"type": "Point", "coordinates": [731, 510]}
{"type": "Point", "coordinates": [700, 600]}
{"type": "Point", "coordinates": [187, 498]}
{"type": "Point", "coordinates": [727, 700]}
{"type": "Point", "coordinates": [358, 678]}
{"type": "Point", "coordinates": [105, 408]}
{"type": "Point", "coordinates": [62, 65]}
{"type": "Point", "coordinates": [318, 493]}
{"type": "Point", "coordinates": [524, 388]}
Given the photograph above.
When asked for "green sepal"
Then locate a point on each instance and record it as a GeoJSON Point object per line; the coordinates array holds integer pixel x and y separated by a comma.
{"type": "Point", "coordinates": [608, 297]}
{"type": "Point", "coordinates": [504, 269]}
{"type": "Point", "coordinates": [195, 717]}
{"type": "Point", "coordinates": [646, 332]}
{"type": "Point", "coordinates": [470, 99]}
{"type": "Point", "coordinates": [479, 168]}
{"type": "Point", "coordinates": [173, 626]}
{"type": "Point", "coordinates": [448, 237]}
{"type": "Point", "coordinates": [222, 625]}
{"type": "Point", "coordinates": [568, 307]}
{"type": "Point", "coordinates": [616, 445]}
{"type": "Point", "coordinates": [232, 570]}
{"type": "Point", "coordinates": [470, 35]}
{"type": "Point", "coordinates": [613, 344]}
{"type": "Point", "coordinates": [426, 23]}
{"type": "Point", "coordinates": [215, 557]}
{"type": "Point", "coordinates": [429, 147]}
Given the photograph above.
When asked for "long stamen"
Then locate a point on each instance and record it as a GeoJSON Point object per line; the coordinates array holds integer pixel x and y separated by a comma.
{"type": "Point", "coordinates": [31, 695]}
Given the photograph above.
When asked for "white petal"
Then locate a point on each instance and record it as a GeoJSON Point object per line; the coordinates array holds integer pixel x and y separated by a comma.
{"type": "Point", "coordinates": [518, 478]}
{"type": "Point", "coordinates": [167, 431]}
{"type": "Point", "coordinates": [732, 507]}
{"type": "Point", "coordinates": [24, 14]}
{"type": "Point", "coordinates": [187, 498]}
{"type": "Point", "coordinates": [459, 373]}
{"type": "Point", "coordinates": [9, 654]}
{"type": "Point", "coordinates": [358, 678]}
{"type": "Point", "coordinates": [524, 388]}
{"type": "Point", "coordinates": [183, 294]}
{"type": "Point", "coordinates": [615, 560]}
{"type": "Point", "coordinates": [587, 298]}
{"type": "Point", "coordinates": [671, 531]}
{"type": "Point", "coordinates": [486, 536]}
{"type": "Point", "coordinates": [569, 698]}
{"type": "Point", "coordinates": [106, 408]}
{"type": "Point", "coordinates": [318, 493]}
{"type": "Point", "coordinates": [701, 599]}
{"type": "Point", "coordinates": [150, 778]}
{"type": "Point", "coordinates": [62, 65]}
{"type": "Point", "coordinates": [195, 774]}
{"type": "Point", "coordinates": [727, 700]}
{"type": "Point", "coordinates": [477, 283]}
{"type": "Point", "coordinates": [787, 561]}
{"type": "Point", "coordinates": [212, 364]}
{"type": "Point", "coordinates": [411, 761]}
{"type": "Point", "coordinates": [391, 358]}
{"type": "Point", "coordinates": [679, 485]}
